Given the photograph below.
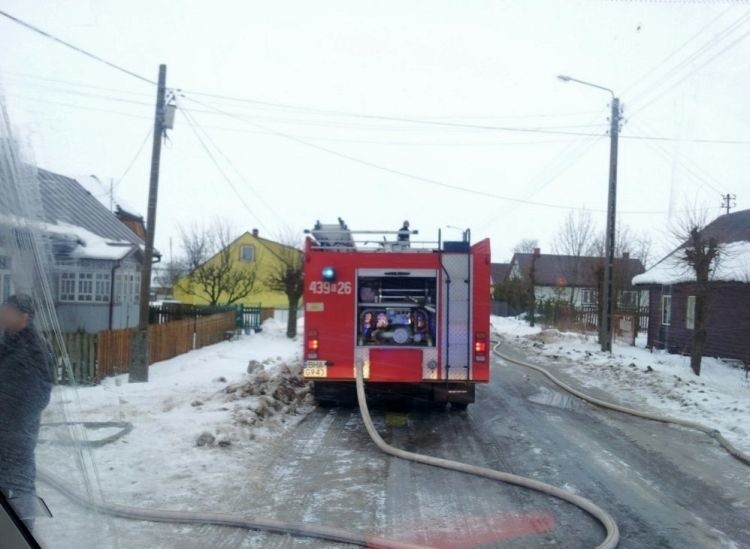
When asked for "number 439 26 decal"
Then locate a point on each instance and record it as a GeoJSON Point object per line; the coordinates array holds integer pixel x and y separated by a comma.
{"type": "Point", "coordinates": [320, 287]}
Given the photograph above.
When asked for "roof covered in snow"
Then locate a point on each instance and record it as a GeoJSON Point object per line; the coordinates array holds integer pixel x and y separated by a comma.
{"type": "Point", "coordinates": [65, 201]}
{"type": "Point", "coordinates": [732, 232]}
{"type": "Point", "coordinates": [80, 226]}
{"type": "Point", "coordinates": [107, 196]}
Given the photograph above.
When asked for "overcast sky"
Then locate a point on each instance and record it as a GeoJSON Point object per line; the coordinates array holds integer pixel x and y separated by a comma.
{"type": "Point", "coordinates": [681, 69]}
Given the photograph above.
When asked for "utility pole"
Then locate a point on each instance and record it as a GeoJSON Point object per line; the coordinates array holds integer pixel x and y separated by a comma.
{"type": "Point", "coordinates": [608, 302]}
{"type": "Point", "coordinates": [140, 350]}
{"type": "Point", "coordinates": [730, 201]}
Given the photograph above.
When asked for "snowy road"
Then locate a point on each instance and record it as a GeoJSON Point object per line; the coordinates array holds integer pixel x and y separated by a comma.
{"type": "Point", "coordinates": [665, 486]}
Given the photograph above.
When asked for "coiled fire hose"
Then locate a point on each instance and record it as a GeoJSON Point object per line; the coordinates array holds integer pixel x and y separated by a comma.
{"type": "Point", "coordinates": [713, 433]}
{"type": "Point", "coordinates": [613, 534]}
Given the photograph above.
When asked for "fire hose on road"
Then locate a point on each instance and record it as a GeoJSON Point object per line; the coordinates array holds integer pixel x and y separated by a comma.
{"type": "Point", "coordinates": [606, 520]}
{"type": "Point", "coordinates": [713, 433]}
{"type": "Point", "coordinates": [335, 534]}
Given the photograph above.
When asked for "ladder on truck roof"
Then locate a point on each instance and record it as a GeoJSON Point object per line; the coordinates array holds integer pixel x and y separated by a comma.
{"type": "Point", "coordinates": [339, 235]}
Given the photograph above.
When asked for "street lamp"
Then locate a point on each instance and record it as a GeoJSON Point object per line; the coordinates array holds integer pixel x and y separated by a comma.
{"type": "Point", "coordinates": [605, 329]}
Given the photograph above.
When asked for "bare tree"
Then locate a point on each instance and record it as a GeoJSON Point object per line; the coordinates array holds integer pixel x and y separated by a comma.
{"type": "Point", "coordinates": [288, 276]}
{"type": "Point", "coordinates": [169, 274]}
{"type": "Point", "coordinates": [213, 272]}
{"type": "Point", "coordinates": [700, 254]}
{"type": "Point", "coordinates": [576, 234]}
{"type": "Point", "coordinates": [575, 238]}
{"type": "Point", "coordinates": [526, 246]}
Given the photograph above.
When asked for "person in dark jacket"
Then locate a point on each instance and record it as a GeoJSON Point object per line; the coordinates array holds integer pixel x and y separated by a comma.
{"type": "Point", "coordinates": [26, 379]}
{"type": "Point", "coordinates": [403, 235]}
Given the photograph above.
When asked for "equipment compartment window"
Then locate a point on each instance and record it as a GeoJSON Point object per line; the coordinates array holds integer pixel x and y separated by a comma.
{"type": "Point", "coordinates": [396, 311]}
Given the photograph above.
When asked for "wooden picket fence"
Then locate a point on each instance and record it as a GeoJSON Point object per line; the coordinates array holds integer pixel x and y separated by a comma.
{"type": "Point", "coordinates": [96, 356]}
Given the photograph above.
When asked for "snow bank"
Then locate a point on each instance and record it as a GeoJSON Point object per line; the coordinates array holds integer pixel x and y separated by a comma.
{"type": "Point", "coordinates": [513, 326]}
{"type": "Point", "coordinates": [655, 381]}
{"type": "Point", "coordinates": [733, 266]}
{"type": "Point", "coordinates": [198, 423]}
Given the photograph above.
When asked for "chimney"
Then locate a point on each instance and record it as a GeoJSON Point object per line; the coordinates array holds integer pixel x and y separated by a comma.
{"type": "Point", "coordinates": [255, 233]}
{"type": "Point", "coordinates": [626, 255]}
{"type": "Point", "coordinates": [537, 252]}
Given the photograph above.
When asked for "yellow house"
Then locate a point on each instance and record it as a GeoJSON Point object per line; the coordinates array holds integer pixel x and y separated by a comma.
{"type": "Point", "coordinates": [248, 257]}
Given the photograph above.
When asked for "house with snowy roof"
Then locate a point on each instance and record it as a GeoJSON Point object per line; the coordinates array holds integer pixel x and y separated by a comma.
{"type": "Point", "coordinates": [576, 279]}
{"type": "Point", "coordinates": [95, 275]}
{"type": "Point", "coordinates": [672, 291]}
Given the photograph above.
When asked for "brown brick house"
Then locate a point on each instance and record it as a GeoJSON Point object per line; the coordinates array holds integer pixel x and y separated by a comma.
{"type": "Point", "coordinates": [672, 295]}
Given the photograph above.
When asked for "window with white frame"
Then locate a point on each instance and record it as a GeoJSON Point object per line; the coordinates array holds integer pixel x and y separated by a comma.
{"type": "Point", "coordinates": [666, 310]}
{"type": "Point", "coordinates": [690, 313]}
{"type": "Point", "coordinates": [67, 287]}
{"type": "Point", "coordinates": [6, 280]}
{"type": "Point", "coordinates": [84, 287]}
{"type": "Point", "coordinates": [588, 296]}
{"type": "Point", "coordinates": [127, 287]}
{"type": "Point", "coordinates": [102, 287]}
{"type": "Point", "coordinates": [247, 254]}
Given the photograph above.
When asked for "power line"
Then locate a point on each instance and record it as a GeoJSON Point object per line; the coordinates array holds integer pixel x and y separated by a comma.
{"type": "Point", "coordinates": [427, 180]}
{"type": "Point", "coordinates": [693, 57]}
{"type": "Point", "coordinates": [75, 48]}
{"type": "Point", "coordinates": [135, 158]}
{"type": "Point", "coordinates": [193, 127]}
{"type": "Point", "coordinates": [679, 49]}
{"type": "Point", "coordinates": [194, 120]}
{"type": "Point", "coordinates": [705, 178]}
{"type": "Point", "coordinates": [549, 130]}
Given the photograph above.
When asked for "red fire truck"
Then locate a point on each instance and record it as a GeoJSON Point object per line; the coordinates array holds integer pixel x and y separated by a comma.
{"type": "Point", "coordinates": [414, 314]}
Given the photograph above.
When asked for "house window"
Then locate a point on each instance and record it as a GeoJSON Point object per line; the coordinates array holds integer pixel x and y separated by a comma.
{"type": "Point", "coordinates": [247, 254]}
{"type": "Point", "coordinates": [6, 284]}
{"type": "Point", "coordinates": [627, 298]}
{"type": "Point", "coordinates": [588, 296]}
{"type": "Point", "coordinates": [666, 309]}
{"type": "Point", "coordinates": [67, 286]}
{"type": "Point", "coordinates": [690, 313]}
{"type": "Point", "coordinates": [102, 287]}
{"type": "Point", "coordinates": [85, 287]}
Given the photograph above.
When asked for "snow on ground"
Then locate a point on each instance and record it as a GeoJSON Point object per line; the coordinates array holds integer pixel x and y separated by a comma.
{"type": "Point", "coordinates": [642, 379]}
{"type": "Point", "coordinates": [198, 421]}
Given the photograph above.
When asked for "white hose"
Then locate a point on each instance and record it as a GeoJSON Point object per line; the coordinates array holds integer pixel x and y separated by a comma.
{"type": "Point", "coordinates": [300, 529]}
{"type": "Point", "coordinates": [613, 534]}
{"type": "Point", "coordinates": [713, 433]}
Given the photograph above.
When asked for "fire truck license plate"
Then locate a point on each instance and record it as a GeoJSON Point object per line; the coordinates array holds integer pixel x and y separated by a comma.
{"type": "Point", "coordinates": [315, 368]}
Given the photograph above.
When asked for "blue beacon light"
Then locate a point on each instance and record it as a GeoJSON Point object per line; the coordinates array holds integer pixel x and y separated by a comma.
{"type": "Point", "coordinates": [329, 274]}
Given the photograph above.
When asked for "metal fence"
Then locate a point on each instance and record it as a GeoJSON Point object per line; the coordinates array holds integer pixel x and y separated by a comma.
{"type": "Point", "coordinates": [584, 318]}
{"type": "Point", "coordinates": [247, 317]}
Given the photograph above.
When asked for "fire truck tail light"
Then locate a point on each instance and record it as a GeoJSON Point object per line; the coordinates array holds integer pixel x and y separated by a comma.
{"type": "Point", "coordinates": [312, 344]}
{"type": "Point", "coordinates": [480, 347]}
